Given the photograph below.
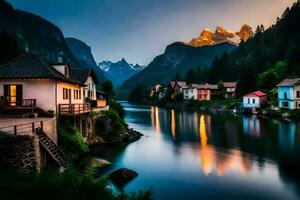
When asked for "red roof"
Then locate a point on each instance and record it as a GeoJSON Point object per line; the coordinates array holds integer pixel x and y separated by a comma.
{"type": "Point", "coordinates": [256, 94]}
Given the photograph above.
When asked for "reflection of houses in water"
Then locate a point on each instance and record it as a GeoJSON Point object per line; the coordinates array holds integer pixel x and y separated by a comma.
{"type": "Point", "coordinates": [187, 123]}
{"type": "Point", "coordinates": [287, 134]}
{"type": "Point", "coordinates": [214, 160]}
{"type": "Point", "coordinates": [183, 126]}
{"type": "Point", "coordinates": [155, 119]}
{"type": "Point", "coordinates": [173, 124]}
{"type": "Point", "coordinates": [251, 126]}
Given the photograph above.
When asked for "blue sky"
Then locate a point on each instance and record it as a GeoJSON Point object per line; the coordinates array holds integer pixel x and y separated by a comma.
{"type": "Point", "coordinates": [139, 30]}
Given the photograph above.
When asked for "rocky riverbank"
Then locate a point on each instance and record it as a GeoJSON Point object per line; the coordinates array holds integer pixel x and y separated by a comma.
{"type": "Point", "coordinates": [129, 136]}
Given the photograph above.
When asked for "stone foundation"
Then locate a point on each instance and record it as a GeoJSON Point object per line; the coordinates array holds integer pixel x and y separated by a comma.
{"type": "Point", "coordinates": [22, 153]}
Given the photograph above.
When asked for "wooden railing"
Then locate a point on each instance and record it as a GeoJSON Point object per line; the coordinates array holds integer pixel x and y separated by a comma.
{"type": "Point", "coordinates": [73, 109]}
{"type": "Point", "coordinates": [8, 102]}
{"type": "Point", "coordinates": [21, 129]}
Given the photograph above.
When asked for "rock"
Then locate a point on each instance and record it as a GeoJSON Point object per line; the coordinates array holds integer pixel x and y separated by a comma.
{"type": "Point", "coordinates": [100, 163]}
{"type": "Point", "coordinates": [122, 176]}
{"type": "Point", "coordinates": [132, 136]}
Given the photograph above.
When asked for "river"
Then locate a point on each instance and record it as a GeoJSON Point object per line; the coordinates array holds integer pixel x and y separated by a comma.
{"type": "Point", "coordinates": [192, 155]}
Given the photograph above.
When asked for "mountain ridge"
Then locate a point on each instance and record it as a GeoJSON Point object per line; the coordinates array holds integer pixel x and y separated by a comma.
{"type": "Point", "coordinates": [177, 58]}
{"type": "Point", "coordinates": [119, 71]}
{"type": "Point", "coordinates": [221, 35]}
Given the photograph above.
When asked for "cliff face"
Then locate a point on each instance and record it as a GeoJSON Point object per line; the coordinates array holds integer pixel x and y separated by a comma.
{"type": "Point", "coordinates": [35, 34]}
{"type": "Point", "coordinates": [82, 52]}
{"type": "Point", "coordinates": [221, 35]}
{"type": "Point", "coordinates": [245, 33]}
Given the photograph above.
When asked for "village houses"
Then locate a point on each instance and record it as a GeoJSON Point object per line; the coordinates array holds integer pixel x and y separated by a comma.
{"type": "Point", "coordinates": [230, 89]}
{"type": "Point", "coordinates": [176, 87]}
{"type": "Point", "coordinates": [289, 94]}
{"type": "Point", "coordinates": [254, 99]}
{"type": "Point", "coordinates": [190, 92]}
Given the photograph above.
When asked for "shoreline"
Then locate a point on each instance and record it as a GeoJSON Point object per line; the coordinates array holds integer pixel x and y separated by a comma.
{"type": "Point", "coordinates": [227, 105]}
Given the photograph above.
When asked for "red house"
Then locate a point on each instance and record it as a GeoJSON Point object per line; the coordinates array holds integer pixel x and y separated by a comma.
{"type": "Point", "coordinates": [205, 91]}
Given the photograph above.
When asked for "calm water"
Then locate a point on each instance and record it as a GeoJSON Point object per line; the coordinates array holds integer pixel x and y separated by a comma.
{"type": "Point", "coordinates": [190, 155]}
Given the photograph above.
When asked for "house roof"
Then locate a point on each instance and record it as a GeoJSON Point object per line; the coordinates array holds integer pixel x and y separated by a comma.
{"type": "Point", "coordinates": [179, 83]}
{"type": "Point", "coordinates": [289, 82]}
{"type": "Point", "coordinates": [208, 86]}
{"type": "Point", "coordinates": [230, 84]}
{"type": "Point", "coordinates": [256, 94]}
{"type": "Point", "coordinates": [31, 66]}
{"type": "Point", "coordinates": [191, 86]}
{"type": "Point", "coordinates": [82, 75]}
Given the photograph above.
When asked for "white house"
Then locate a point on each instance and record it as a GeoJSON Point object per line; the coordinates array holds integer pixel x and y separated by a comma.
{"type": "Point", "coordinates": [254, 99]}
{"type": "Point", "coordinates": [29, 81]}
{"type": "Point", "coordinates": [88, 77]}
{"type": "Point", "coordinates": [289, 94]}
{"type": "Point", "coordinates": [190, 92]}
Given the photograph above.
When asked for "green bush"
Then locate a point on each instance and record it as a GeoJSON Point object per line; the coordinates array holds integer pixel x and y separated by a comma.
{"type": "Point", "coordinates": [71, 142]}
{"type": "Point", "coordinates": [71, 184]}
{"type": "Point", "coordinates": [117, 107]}
{"type": "Point", "coordinates": [110, 125]}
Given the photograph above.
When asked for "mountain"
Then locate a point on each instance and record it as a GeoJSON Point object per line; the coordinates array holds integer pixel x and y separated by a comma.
{"type": "Point", "coordinates": [178, 58]}
{"type": "Point", "coordinates": [120, 71]}
{"type": "Point", "coordinates": [37, 35]}
{"type": "Point", "coordinates": [221, 35]}
{"type": "Point", "coordinates": [82, 52]}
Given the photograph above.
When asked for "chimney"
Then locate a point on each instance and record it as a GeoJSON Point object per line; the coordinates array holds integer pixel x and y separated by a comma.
{"type": "Point", "coordinates": [60, 58]}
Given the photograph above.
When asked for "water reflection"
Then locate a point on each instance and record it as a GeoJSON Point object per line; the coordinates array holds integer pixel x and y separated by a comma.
{"type": "Point", "coordinates": [155, 119]}
{"type": "Point", "coordinates": [287, 134]}
{"type": "Point", "coordinates": [220, 162]}
{"type": "Point", "coordinates": [210, 155]}
{"type": "Point", "coordinates": [173, 124]}
{"type": "Point", "coordinates": [251, 125]}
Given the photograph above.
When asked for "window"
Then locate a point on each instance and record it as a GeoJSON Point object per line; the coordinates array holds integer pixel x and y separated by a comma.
{"type": "Point", "coordinates": [285, 104]}
{"type": "Point", "coordinates": [66, 93]}
{"type": "Point", "coordinates": [253, 101]}
{"type": "Point", "coordinates": [298, 94]}
{"type": "Point", "coordinates": [77, 94]}
{"type": "Point", "coordinates": [248, 100]}
{"type": "Point", "coordinates": [285, 95]}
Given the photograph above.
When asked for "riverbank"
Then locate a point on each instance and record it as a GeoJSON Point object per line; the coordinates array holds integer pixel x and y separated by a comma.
{"type": "Point", "coordinates": [212, 105]}
{"type": "Point", "coordinates": [128, 137]}
{"type": "Point", "coordinates": [227, 105]}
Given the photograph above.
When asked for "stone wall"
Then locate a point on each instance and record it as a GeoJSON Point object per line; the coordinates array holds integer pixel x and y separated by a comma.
{"type": "Point", "coordinates": [49, 127]}
{"type": "Point", "coordinates": [21, 153]}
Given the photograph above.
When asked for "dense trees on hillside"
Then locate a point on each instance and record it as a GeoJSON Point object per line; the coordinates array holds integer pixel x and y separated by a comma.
{"type": "Point", "coordinates": [9, 47]}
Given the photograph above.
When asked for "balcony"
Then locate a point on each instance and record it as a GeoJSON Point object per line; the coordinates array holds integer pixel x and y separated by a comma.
{"type": "Point", "coordinates": [74, 109]}
{"type": "Point", "coordinates": [12, 102]}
